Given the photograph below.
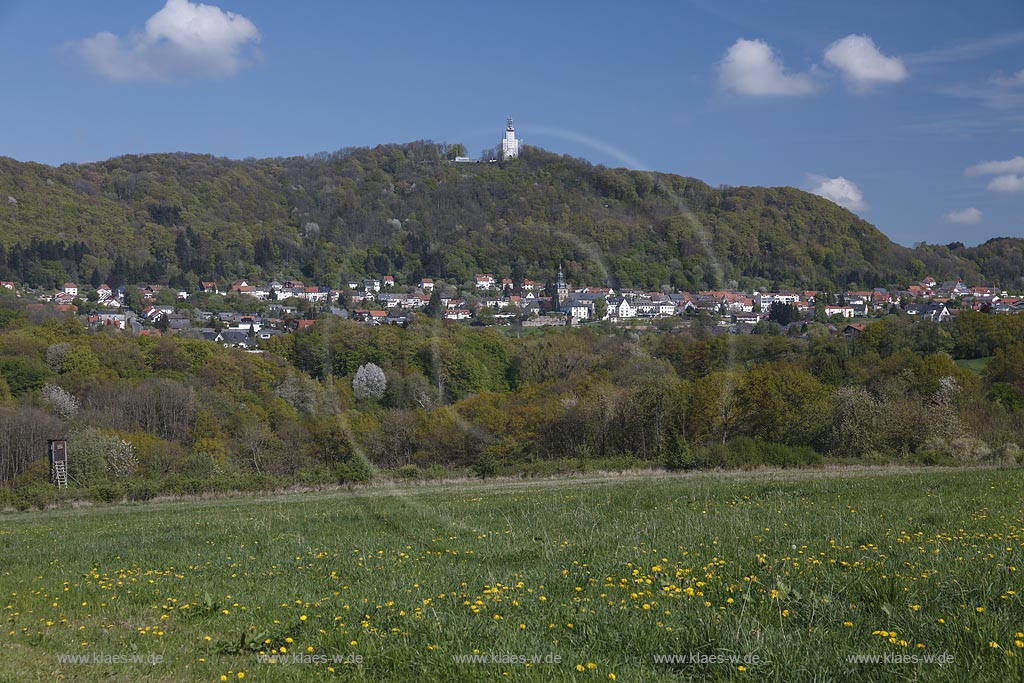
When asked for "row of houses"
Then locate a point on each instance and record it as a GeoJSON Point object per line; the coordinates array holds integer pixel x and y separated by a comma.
{"type": "Point", "coordinates": [379, 301]}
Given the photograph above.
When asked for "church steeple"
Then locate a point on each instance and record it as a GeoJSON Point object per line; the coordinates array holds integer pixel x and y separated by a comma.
{"type": "Point", "coordinates": [561, 288]}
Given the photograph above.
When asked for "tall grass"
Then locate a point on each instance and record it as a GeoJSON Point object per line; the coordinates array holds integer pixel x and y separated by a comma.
{"type": "Point", "coordinates": [608, 575]}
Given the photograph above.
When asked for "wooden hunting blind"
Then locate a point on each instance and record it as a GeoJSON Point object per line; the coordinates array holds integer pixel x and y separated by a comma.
{"type": "Point", "coordinates": [59, 463]}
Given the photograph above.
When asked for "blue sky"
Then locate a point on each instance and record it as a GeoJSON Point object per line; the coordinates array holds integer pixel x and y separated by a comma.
{"type": "Point", "coordinates": [909, 112]}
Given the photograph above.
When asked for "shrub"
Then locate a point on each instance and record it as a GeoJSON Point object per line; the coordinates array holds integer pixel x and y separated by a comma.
{"type": "Point", "coordinates": [408, 472]}
{"type": "Point", "coordinates": [35, 496]}
{"type": "Point", "coordinates": [746, 453]}
{"type": "Point", "coordinates": [435, 471]}
{"type": "Point", "coordinates": [680, 458]}
{"type": "Point", "coordinates": [355, 470]}
{"type": "Point", "coordinates": [104, 492]}
{"type": "Point", "coordinates": [315, 475]}
{"type": "Point", "coordinates": [141, 490]}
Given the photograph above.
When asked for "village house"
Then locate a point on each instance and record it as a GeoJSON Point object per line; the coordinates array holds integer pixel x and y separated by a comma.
{"type": "Point", "coordinates": [935, 311]}
{"type": "Point", "coordinates": [844, 311]}
{"type": "Point", "coordinates": [620, 309]}
{"type": "Point", "coordinates": [578, 310]}
{"type": "Point", "coordinates": [106, 319]}
{"type": "Point", "coordinates": [766, 299]}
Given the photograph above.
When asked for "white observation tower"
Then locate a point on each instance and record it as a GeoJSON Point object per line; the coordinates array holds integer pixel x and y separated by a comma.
{"type": "Point", "coordinates": [509, 144]}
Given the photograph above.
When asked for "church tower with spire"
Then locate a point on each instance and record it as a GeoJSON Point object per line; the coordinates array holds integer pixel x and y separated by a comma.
{"type": "Point", "coordinates": [509, 144]}
{"type": "Point", "coordinates": [560, 290]}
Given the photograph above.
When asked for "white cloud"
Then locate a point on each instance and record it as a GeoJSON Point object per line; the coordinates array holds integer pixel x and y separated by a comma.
{"type": "Point", "coordinates": [750, 67]}
{"type": "Point", "coordinates": [1011, 81]}
{"type": "Point", "coordinates": [1007, 183]}
{"type": "Point", "coordinates": [862, 64]}
{"type": "Point", "coordinates": [968, 216]}
{"type": "Point", "coordinates": [843, 192]}
{"type": "Point", "coordinates": [182, 40]}
{"type": "Point", "coordinates": [1014, 165]}
{"type": "Point", "coordinates": [966, 51]}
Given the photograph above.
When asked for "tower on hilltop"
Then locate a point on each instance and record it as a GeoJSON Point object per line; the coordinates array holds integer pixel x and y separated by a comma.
{"type": "Point", "coordinates": [509, 144]}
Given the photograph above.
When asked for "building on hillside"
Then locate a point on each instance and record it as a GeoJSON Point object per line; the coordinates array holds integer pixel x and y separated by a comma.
{"type": "Point", "coordinates": [509, 144]}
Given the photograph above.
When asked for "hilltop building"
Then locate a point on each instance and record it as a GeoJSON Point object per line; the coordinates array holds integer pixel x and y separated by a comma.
{"type": "Point", "coordinates": [509, 144]}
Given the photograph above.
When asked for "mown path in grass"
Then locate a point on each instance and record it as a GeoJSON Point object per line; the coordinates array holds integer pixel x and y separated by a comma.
{"type": "Point", "coordinates": [766, 576]}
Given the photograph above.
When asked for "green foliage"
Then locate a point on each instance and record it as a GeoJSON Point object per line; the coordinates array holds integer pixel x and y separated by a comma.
{"type": "Point", "coordinates": [199, 417]}
{"type": "Point", "coordinates": [180, 218]}
{"type": "Point", "coordinates": [783, 313]}
{"type": "Point", "coordinates": [681, 457]}
{"type": "Point", "coordinates": [23, 374]}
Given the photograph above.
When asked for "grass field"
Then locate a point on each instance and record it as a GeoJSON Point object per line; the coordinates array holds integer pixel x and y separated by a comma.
{"type": "Point", "coordinates": [601, 578]}
{"type": "Point", "coordinates": [976, 364]}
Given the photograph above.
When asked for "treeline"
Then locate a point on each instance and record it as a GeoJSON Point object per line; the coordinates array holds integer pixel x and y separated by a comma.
{"type": "Point", "coordinates": [344, 402]}
{"type": "Point", "coordinates": [404, 210]}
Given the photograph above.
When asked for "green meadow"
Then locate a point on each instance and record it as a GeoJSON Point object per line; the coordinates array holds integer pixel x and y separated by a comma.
{"type": "Point", "coordinates": [760, 576]}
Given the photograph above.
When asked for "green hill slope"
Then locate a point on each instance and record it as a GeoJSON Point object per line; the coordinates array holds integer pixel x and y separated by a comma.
{"type": "Point", "coordinates": [406, 210]}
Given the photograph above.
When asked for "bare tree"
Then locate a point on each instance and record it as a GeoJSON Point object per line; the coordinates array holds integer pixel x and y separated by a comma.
{"type": "Point", "coordinates": [24, 432]}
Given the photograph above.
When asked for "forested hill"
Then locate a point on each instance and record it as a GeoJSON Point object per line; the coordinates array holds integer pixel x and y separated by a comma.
{"type": "Point", "coordinates": [408, 211]}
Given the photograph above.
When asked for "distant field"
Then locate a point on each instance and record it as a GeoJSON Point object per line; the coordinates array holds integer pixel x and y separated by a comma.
{"type": "Point", "coordinates": [976, 364]}
{"type": "Point", "coordinates": [791, 573]}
